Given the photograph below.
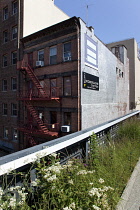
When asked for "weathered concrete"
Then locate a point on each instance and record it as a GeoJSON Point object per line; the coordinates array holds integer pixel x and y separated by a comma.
{"type": "Point", "coordinates": [111, 100]}
{"type": "Point", "coordinates": [130, 199]}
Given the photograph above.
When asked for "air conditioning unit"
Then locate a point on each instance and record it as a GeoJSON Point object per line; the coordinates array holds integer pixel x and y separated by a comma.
{"type": "Point", "coordinates": [65, 128]}
{"type": "Point", "coordinates": [39, 63]}
{"type": "Point", "coordinates": [67, 58]}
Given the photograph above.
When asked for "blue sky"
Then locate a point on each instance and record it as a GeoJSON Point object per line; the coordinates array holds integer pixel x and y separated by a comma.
{"type": "Point", "coordinates": [113, 20]}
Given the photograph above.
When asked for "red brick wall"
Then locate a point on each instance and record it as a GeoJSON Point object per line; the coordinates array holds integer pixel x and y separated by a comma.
{"type": "Point", "coordinates": [57, 71]}
{"type": "Point", "coordinates": [10, 71]}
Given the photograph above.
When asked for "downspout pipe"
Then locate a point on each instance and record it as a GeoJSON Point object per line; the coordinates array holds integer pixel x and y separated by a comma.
{"type": "Point", "coordinates": [18, 73]}
{"type": "Point", "coordinates": [79, 72]}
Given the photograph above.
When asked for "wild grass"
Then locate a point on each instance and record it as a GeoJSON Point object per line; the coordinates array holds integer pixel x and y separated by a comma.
{"type": "Point", "coordinates": [118, 158]}
{"type": "Point", "coordinates": [98, 184]}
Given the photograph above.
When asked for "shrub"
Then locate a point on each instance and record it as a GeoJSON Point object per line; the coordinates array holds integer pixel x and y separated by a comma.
{"type": "Point", "coordinates": [75, 185]}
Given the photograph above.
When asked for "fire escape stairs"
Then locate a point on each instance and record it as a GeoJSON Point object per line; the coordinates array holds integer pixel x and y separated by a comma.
{"type": "Point", "coordinates": [35, 80]}
{"type": "Point", "coordinates": [31, 141]}
{"type": "Point", "coordinates": [43, 130]}
{"type": "Point", "coordinates": [40, 123]}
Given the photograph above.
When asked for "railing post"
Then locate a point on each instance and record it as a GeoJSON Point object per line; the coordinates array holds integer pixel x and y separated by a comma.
{"type": "Point", "coordinates": [33, 175]}
{"type": "Point", "coordinates": [87, 149]}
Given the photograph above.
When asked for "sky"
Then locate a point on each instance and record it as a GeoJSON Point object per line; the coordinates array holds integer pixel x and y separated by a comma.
{"type": "Point", "coordinates": [112, 20]}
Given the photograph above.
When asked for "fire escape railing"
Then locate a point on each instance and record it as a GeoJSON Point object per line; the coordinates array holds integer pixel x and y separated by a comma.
{"type": "Point", "coordinates": [36, 95]}
{"type": "Point", "coordinates": [40, 93]}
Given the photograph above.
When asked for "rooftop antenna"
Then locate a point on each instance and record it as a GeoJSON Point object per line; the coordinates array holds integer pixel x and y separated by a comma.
{"type": "Point", "coordinates": [87, 11]}
{"type": "Point", "coordinates": [87, 14]}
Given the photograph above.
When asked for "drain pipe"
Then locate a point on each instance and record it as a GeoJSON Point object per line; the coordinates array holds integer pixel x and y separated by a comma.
{"type": "Point", "coordinates": [18, 27]}
{"type": "Point", "coordinates": [79, 74]}
{"type": "Point", "coordinates": [18, 73]}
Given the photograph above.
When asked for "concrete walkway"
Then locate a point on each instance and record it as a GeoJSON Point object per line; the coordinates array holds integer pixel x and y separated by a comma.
{"type": "Point", "coordinates": [131, 196]}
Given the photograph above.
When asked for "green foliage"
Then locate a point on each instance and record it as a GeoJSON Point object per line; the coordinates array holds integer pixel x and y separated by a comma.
{"type": "Point", "coordinates": [75, 185]}
{"type": "Point", "coordinates": [94, 152]}
{"type": "Point", "coordinates": [130, 130]}
{"type": "Point", "coordinates": [118, 159]}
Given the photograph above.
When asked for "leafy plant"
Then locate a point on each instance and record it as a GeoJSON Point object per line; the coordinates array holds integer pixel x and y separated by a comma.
{"type": "Point", "coordinates": [75, 185]}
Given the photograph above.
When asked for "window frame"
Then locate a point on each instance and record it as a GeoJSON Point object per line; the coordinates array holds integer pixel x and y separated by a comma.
{"type": "Point", "coordinates": [65, 121]}
{"type": "Point", "coordinates": [14, 60]}
{"type": "Point", "coordinates": [13, 83]}
{"type": "Point", "coordinates": [4, 61]}
{"type": "Point", "coordinates": [14, 110]}
{"type": "Point", "coordinates": [40, 57]}
{"type": "Point", "coordinates": [53, 56]}
{"type": "Point", "coordinates": [14, 134]}
{"type": "Point", "coordinates": [53, 87]}
{"type": "Point", "coordinates": [53, 117]}
{"type": "Point", "coordinates": [14, 9]}
{"type": "Point", "coordinates": [5, 15]}
{"type": "Point", "coordinates": [14, 33]}
{"type": "Point", "coordinates": [67, 54]}
{"type": "Point", "coordinates": [5, 36]}
{"type": "Point", "coordinates": [65, 86]}
{"type": "Point", "coordinates": [5, 109]}
{"type": "Point", "coordinates": [4, 86]}
{"type": "Point", "coordinates": [5, 132]}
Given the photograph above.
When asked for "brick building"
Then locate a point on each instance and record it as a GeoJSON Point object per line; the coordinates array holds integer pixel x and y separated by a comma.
{"type": "Point", "coordinates": [14, 24]}
{"type": "Point", "coordinates": [9, 52]}
{"type": "Point", "coordinates": [69, 80]}
{"type": "Point", "coordinates": [65, 80]}
{"type": "Point", "coordinates": [49, 85]}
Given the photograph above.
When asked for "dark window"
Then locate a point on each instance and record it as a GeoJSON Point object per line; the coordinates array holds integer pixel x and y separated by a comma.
{"type": "Point", "coordinates": [5, 109]}
{"type": "Point", "coordinates": [67, 118]}
{"type": "Point", "coordinates": [67, 51]}
{"type": "Point", "coordinates": [53, 88]}
{"type": "Point", "coordinates": [14, 32]}
{"type": "Point", "coordinates": [67, 86]}
{"type": "Point", "coordinates": [53, 117]}
{"type": "Point", "coordinates": [30, 59]}
{"type": "Point", "coordinates": [14, 83]}
{"type": "Point", "coordinates": [14, 7]}
{"type": "Point", "coordinates": [41, 55]}
{"type": "Point", "coordinates": [41, 115]}
{"type": "Point", "coordinates": [5, 13]}
{"type": "Point", "coordinates": [53, 55]}
{"type": "Point", "coordinates": [4, 60]}
{"type": "Point", "coordinates": [5, 133]}
{"type": "Point", "coordinates": [14, 109]}
{"type": "Point", "coordinates": [14, 57]}
{"type": "Point", "coordinates": [4, 85]}
{"type": "Point", "coordinates": [117, 52]}
{"type": "Point", "coordinates": [14, 134]}
{"type": "Point", "coordinates": [5, 36]}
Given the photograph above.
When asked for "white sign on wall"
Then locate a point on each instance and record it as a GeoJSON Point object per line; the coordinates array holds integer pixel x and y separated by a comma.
{"type": "Point", "coordinates": [91, 52]}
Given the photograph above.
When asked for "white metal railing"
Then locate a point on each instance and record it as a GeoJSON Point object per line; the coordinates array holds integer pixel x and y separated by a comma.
{"type": "Point", "coordinates": [24, 157]}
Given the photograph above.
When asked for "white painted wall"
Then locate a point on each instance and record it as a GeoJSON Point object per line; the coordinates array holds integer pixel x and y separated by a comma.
{"type": "Point", "coordinates": [112, 99]}
{"type": "Point", "coordinates": [40, 14]}
{"type": "Point", "coordinates": [137, 77]}
{"type": "Point", "coordinates": [134, 69]}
